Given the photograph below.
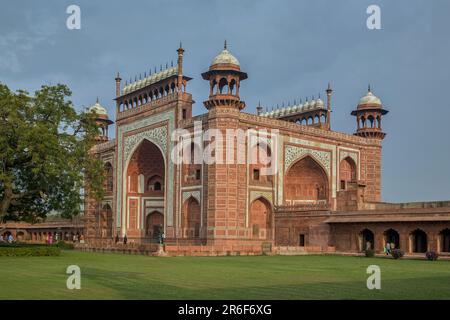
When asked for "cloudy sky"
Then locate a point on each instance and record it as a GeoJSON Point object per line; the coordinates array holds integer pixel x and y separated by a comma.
{"type": "Point", "coordinates": [290, 49]}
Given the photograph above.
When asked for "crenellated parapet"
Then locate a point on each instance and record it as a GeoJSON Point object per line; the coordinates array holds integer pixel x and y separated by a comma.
{"type": "Point", "coordinates": [153, 87]}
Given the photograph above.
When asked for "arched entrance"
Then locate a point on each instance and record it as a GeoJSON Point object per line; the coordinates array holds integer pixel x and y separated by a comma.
{"type": "Point", "coordinates": [145, 181]}
{"type": "Point", "coordinates": [260, 219]}
{"type": "Point", "coordinates": [20, 236]}
{"type": "Point", "coordinates": [306, 182]}
{"type": "Point", "coordinates": [106, 223]}
{"type": "Point", "coordinates": [445, 240]}
{"type": "Point", "coordinates": [190, 222]}
{"type": "Point", "coordinates": [367, 240]}
{"type": "Point", "coordinates": [347, 172]}
{"type": "Point", "coordinates": [154, 225]}
{"type": "Point", "coordinates": [391, 236]}
{"type": "Point", "coordinates": [419, 241]}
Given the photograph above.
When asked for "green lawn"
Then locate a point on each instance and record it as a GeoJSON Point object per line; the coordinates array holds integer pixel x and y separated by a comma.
{"type": "Point", "coordinates": [117, 276]}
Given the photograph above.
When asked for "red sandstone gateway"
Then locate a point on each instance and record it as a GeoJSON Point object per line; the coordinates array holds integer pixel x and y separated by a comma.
{"type": "Point", "coordinates": [325, 195]}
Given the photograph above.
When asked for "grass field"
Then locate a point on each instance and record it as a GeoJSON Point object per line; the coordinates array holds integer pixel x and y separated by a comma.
{"type": "Point", "coordinates": [117, 276]}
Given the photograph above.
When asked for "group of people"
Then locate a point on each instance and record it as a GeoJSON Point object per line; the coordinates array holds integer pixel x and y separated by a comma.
{"type": "Point", "coordinates": [388, 248]}
{"type": "Point", "coordinates": [75, 238]}
{"type": "Point", "coordinates": [161, 239]}
{"type": "Point", "coordinates": [8, 238]}
{"type": "Point", "coordinates": [78, 238]}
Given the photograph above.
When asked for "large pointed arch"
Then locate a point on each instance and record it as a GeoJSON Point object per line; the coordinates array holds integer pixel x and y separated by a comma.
{"type": "Point", "coordinates": [145, 166]}
{"type": "Point", "coordinates": [306, 181]}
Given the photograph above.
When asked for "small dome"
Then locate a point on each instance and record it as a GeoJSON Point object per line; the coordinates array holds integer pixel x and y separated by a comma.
{"type": "Point", "coordinates": [98, 109]}
{"type": "Point", "coordinates": [225, 57]}
{"type": "Point", "coordinates": [319, 103]}
{"type": "Point", "coordinates": [370, 98]}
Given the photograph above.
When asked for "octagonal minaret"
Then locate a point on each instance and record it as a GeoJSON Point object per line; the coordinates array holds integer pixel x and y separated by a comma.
{"type": "Point", "coordinates": [224, 76]}
{"type": "Point", "coordinates": [368, 116]}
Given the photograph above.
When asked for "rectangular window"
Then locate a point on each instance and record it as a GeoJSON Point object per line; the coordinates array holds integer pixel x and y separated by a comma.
{"type": "Point", "coordinates": [184, 114]}
{"type": "Point", "coordinates": [342, 184]}
{"type": "Point", "coordinates": [255, 174]}
{"type": "Point", "coordinates": [302, 240]}
{"type": "Point", "coordinates": [197, 174]}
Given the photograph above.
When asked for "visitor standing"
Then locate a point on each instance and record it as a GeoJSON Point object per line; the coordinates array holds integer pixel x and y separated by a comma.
{"type": "Point", "coordinates": [116, 240]}
{"type": "Point", "coordinates": [10, 238]}
{"type": "Point", "coordinates": [1, 238]}
{"type": "Point", "coordinates": [388, 248]}
{"type": "Point", "coordinates": [125, 239]}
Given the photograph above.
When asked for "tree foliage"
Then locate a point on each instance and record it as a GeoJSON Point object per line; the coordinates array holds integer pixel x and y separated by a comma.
{"type": "Point", "coordinates": [44, 154]}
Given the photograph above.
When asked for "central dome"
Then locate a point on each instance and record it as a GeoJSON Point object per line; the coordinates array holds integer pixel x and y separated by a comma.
{"type": "Point", "coordinates": [370, 98]}
{"type": "Point", "coordinates": [225, 57]}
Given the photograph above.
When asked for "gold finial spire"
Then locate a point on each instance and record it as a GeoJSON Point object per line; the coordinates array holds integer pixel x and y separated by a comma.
{"type": "Point", "coordinates": [225, 45]}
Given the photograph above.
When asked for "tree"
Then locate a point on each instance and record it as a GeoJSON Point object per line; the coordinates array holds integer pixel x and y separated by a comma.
{"type": "Point", "coordinates": [44, 154]}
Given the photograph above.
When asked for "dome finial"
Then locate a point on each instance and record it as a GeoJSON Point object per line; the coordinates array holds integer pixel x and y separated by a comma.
{"type": "Point", "coordinates": [368, 89]}
{"type": "Point", "coordinates": [97, 99]}
{"type": "Point", "coordinates": [225, 45]}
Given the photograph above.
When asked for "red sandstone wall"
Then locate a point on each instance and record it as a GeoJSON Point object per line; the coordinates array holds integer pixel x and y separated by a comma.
{"type": "Point", "coordinates": [371, 173]}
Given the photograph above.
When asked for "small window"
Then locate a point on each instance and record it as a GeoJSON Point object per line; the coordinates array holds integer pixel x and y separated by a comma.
{"type": "Point", "coordinates": [343, 185]}
{"type": "Point", "coordinates": [302, 240]}
{"type": "Point", "coordinates": [197, 174]}
{"type": "Point", "coordinates": [255, 174]}
{"type": "Point", "coordinates": [157, 186]}
{"type": "Point", "coordinates": [184, 114]}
